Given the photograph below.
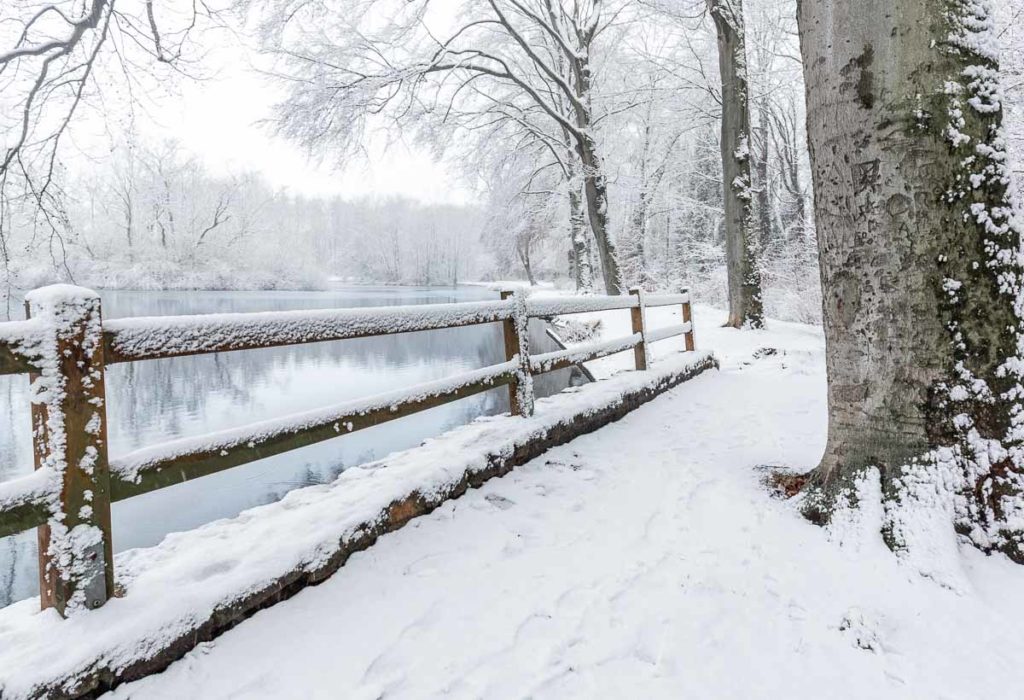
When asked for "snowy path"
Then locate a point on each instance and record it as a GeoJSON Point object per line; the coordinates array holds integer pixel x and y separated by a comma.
{"type": "Point", "coordinates": [644, 560]}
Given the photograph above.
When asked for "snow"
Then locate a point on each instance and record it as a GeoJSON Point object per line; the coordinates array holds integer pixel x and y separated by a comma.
{"type": "Point", "coordinates": [138, 338]}
{"type": "Point", "coordinates": [558, 305]}
{"type": "Point", "coordinates": [667, 332]}
{"type": "Point", "coordinates": [164, 336]}
{"type": "Point", "coordinates": [666, 299]}
{"type": "Point", "coordinates": [170, 589]}
{"type": "Point", "coordinates": [20, 333]}
{"type": "Point", "coordinates": [644, 560]}
{"type": "Point", "coordinates": [40, 487]}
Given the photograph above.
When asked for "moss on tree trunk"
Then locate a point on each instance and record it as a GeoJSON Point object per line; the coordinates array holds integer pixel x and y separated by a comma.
{"type": "Point", "coordinates": [919, 259]}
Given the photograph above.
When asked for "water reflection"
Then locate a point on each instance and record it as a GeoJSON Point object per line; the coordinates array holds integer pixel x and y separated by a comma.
{"type": "Point", "coordinates": [150, 402]}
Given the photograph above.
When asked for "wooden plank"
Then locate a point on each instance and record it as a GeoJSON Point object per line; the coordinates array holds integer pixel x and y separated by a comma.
{"type": "Point", "coordinates": [667, 332]}
{"type": "Point", "coordinates": [638, 322]}
{"type": "Point", "coordinates": [12, 362]}
{"type": "Point", "coordinates": [14, 336]}
{"type": "Point", "coordinates": [135, 339]}
{"type": "Point", "coordinates": [551, 361]}
{"type": "Point", "coordinates": [252, 443]}
{"type": "Point", "coordinates": [688, 320]}
{"type": "Point", "coordinates": [517, 345]}
{"type": "Point", "coordinates": [23, 516]}
{"type": "Point", "coordinates": [560, 306]}
{"type": "Point", "coordinates": [76, 565]}
{"type": "Point", "coordinates": [683, 297]}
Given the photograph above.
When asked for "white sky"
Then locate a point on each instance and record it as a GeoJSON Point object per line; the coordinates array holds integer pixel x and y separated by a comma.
{"type": "Point", "coordinates": [217, 119]}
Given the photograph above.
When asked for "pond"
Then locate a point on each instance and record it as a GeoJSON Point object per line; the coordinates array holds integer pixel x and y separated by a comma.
{"type": "Point", "coordinates": [158, 400]}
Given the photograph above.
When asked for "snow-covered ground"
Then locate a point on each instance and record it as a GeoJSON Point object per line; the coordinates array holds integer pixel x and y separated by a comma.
{"type": "Point", "coordinates": [644, 560]}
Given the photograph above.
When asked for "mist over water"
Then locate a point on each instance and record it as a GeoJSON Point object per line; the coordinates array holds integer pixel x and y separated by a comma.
{"type": "Point", "coordinates": [159, 400]}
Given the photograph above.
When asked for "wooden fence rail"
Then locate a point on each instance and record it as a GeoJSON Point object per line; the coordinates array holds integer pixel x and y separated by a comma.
{"type": "Point", "coordinates": [64, 346]}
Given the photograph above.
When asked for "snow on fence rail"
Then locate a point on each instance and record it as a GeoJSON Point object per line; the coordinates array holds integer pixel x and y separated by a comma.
{"type": "Point", "coordinates": [64, 348]}
{"type": "Point", "coordinates": [668, 332]}
{"type": "Point", "coordinates": [132, 339]}
{"type": "Point", "coordinates": [560, 359]}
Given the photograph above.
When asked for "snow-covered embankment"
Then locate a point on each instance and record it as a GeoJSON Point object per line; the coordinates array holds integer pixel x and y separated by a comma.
{"type": "Point", "coordinates": [197, 584]}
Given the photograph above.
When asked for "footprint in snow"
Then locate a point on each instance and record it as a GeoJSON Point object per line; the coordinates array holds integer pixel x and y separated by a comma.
{"type": "Point", "coordinates": [861, 630]}
{"type": "Point", "coordinates": [499, 501]}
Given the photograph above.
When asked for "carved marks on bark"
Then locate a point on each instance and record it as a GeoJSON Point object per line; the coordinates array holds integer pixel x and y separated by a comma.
{"type": "Point", "coordinates": [858, 74]}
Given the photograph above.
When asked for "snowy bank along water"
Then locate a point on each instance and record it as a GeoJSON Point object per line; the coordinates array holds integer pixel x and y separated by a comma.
{"type": "Point", "coordinates": [196, 584]}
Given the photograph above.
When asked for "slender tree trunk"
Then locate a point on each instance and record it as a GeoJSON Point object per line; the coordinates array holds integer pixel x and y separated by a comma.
{"type": "Point", "coordinates": [764, 205]}
{"type": "Point", "coordinates": [524, 258]}
{"type": "Point", "coordinates": [920, 263]}
{"type": "Point", "coordinates": [741, 239]}
{"type": "Point", "coordinates": [129, 226]}
{"type": "Point", "coordinates": [595, 188]}
{"type": "Point", "coordinates": [794, 215]}
{"type": "Point", "coordinates": [638, 226]}
{"type": "Point", "coordinates": [584, 271]}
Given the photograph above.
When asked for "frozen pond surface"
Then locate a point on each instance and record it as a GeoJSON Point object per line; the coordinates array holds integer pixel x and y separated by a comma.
{"type": "Point", "coordinates": [154, 401]}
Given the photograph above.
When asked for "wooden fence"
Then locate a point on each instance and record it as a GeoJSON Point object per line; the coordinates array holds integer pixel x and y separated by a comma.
{"type": "Point", "coordinates": [64, 347]}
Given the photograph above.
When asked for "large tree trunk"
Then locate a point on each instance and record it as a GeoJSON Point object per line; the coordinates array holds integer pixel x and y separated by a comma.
{"type": "Point", "coordinates": [741, 239]}
{"type": "Point", "coordinates": [920, 262]}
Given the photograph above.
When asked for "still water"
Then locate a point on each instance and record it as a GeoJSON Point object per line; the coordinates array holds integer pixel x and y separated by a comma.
{"type": "Point", "coordinates": [154, 401]}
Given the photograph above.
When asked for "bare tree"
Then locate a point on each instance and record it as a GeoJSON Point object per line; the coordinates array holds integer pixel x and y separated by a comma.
{"type": "Point", "coordinates": [529, 57]}
{"type": "Point", "coordinates": [921, 268]}
{"type": "Point", "coordinates": [51, 57]}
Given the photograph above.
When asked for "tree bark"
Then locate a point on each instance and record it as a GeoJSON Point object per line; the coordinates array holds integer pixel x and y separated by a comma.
{"type": "Point", "coordinates": [741, 240]}
{"type": "Point", "coordinates": [523, 251]}
{"type": "Point", "coordinates": [583, 270]}
{"type": "Point", "coordinates": [595, 188]}
{"type": "Point", "coordinates": [764, 204]}
{"type": "Point", "coordinates": [920, 266]}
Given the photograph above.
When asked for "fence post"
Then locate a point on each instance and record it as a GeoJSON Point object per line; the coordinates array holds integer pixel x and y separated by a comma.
{"type": "Point", "coordinates": [637, 316]}
{"type": "Point", "coordinates": [517, 344]}
{"type": "Point", "coordinates": [69, 431]}
{"type": "Point", "coordinates": [688, 318]}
